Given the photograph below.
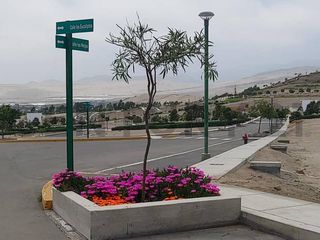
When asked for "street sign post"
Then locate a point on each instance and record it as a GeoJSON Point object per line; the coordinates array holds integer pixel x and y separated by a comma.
{"type": "Point", "coordinates": [77, 26]}
{"type": "Point", "coordinates": [69, 43]}
{"type": "Point", "coordinates": [77, 43]}
{"type": "Point", "coordinates": [88, 105]}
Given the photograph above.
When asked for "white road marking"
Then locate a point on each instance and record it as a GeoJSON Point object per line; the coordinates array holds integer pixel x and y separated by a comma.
{"type": "Point", "coordinates": [163, 157]}
{"type": "Point", "coordinates": [156, 137]}
{"type": "Point", "coordinates": [226, 139]}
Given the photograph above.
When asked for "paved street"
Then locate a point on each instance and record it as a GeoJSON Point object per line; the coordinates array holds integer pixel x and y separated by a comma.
{"type": "Point", "coordinates": [25, 167]}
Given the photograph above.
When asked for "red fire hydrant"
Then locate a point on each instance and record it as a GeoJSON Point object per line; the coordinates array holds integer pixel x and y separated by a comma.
{"type": "Point", "coordinates": [245, 138]}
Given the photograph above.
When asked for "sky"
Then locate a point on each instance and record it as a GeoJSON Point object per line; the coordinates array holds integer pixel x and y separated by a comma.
{"type": "Point", "coordinates": [250, 36]}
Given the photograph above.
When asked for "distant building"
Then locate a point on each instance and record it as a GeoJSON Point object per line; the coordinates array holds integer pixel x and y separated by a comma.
{"type": "Point", "coordinates": [32, 116]}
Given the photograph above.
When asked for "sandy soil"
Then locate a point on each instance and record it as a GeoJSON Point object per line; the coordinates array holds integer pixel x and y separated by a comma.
{"type": "Point", "coordinates": [300, 166]}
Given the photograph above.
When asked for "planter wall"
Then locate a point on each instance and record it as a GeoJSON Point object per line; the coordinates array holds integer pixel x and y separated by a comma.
{"type": "Point", "coordinates": [124, 221]}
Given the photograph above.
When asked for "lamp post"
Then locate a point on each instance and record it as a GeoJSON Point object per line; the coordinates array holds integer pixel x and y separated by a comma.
{"type": "Point", "coordinates": [206, 16]}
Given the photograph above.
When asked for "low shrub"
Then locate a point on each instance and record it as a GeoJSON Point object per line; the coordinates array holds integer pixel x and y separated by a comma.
{"type": "Point", "coordinates": [167, 184]}
{"type": "Point", "coordinates": [298, 116]}
{"type": "Point", "coordinates": [212, 123]}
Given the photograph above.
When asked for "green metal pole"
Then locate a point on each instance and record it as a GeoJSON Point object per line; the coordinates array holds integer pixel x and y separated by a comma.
{"type": "Point", "coordinates": [88, 120]}
{"type": "Point", "coordinates": [69, 102]}
{"type": "Point", "coordinates": [206, 154]}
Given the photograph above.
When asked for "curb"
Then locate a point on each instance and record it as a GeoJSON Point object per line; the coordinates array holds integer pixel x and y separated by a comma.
{"type": "Point", "coordinates": [280, 226]}
{"type": "Point", "coordinates": [75, 140]}
{"type": "Point", "coordinates": [46, 194]}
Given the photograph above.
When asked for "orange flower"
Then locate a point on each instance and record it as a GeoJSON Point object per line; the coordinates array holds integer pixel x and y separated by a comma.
{"type": "Point", "coordinates": [114, 200]}
{"type": "Point", "coordinates": [171, 198]}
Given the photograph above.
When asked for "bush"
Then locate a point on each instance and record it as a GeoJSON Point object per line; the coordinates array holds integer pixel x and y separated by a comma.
{"type": "Point", "coordinates": [70, 181]}
{"type": "Point", "coordinates": [291, 91]}
{"type": "Point", "coordinates": [213, 123]}
{"type": "Point", "coordinates": [297, 116]}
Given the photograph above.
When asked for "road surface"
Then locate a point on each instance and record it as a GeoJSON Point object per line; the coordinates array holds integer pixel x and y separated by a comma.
{"type": "Point", "coordinates": [25, 167]}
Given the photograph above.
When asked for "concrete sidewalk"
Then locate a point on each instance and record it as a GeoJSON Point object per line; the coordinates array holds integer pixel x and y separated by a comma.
{"type": "Point", "coordinates": [289, 217]}
{"type": "Point", "coordinates": [220, 165]}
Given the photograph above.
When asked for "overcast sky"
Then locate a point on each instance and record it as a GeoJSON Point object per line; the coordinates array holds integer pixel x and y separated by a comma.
{"type": "Point", "coordinates": [250, 36]}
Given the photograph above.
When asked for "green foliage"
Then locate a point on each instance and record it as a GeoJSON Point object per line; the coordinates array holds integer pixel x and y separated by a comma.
{"type": "Point", "coordinates": [158, 119]}
{"type": "Point", "coordinates": [251, 91]}
{"type": "Point", "coordinates": [295, 116]}
{"type": "Point", "coordinates": [232, 100]}
{"type": "Point", "coordinates": [170, 53]}
{"type": "Point", "coordinates": [282, 113]}
{"type": "Point", "coordinates": [80, 107]}
{"type": "Point", "coordinates": [135, 119]}
{"type": "Point", "coordinates": [313, 108]}
{"type": "Point", "coordinates": [174, 116]}
{"type": "Point", "coordinates": [8, 118]}
{"type": "Point", "coordinates": [193, 111]}
{"type": "Point", "coordinates": [212, 123]}
{"type": "Point", "coordinates": [263, 109]}
{"type": "Point", "coordinates": [291, 90]}
{"type": "Point", "coordinates": [35, 122]}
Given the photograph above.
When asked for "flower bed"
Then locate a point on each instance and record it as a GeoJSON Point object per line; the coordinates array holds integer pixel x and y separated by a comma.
{"type": "Point", "coordinates": [167, 184]}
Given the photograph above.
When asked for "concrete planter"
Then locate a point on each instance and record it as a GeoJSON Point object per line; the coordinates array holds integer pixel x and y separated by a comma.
{"type": "Point", "coordinates": [124, 221]}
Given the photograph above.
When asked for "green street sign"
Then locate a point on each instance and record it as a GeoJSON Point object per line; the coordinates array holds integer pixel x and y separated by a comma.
{"type": "Point", "coordinates": [77, 26]}
{"type": "Point", "coordinates": [77, 43]}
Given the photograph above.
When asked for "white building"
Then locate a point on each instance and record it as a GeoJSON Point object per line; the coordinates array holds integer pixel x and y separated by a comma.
{"type": "Point", "coordinates": [32, 116]}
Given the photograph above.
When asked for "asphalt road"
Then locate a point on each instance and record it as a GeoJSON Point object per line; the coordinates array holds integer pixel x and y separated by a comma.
{"type": "Point", "coordinates": [25, 167]}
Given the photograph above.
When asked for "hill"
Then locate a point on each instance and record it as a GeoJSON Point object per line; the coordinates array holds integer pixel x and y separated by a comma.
{"type": "Point", "coordinates": [102, 87]}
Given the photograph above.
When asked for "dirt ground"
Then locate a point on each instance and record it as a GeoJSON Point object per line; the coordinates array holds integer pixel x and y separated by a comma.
{"type": "Point", "coordinates": [300, 166]}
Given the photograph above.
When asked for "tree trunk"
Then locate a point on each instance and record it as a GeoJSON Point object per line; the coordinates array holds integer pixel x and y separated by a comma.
{"type": "Point", "coordinates": [152, 89]}
{"type": "Point", "coordinates": [146, 153]}
{"type": "Point", "coordinates": [259, 125]}
{"type": "Point", "coordinates": [2, 133]}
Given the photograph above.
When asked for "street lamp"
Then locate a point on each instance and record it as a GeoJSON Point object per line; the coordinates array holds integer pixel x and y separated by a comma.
{"type": "Point", "coordinates": [206, 16]}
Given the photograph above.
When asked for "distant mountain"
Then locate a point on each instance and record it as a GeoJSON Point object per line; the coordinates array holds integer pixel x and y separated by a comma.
{"type": "Point", "coordinates": [102, 87]}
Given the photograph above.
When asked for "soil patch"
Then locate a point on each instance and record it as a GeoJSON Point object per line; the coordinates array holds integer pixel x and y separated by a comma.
{"type": "Point", "coordinates": [300, 166]}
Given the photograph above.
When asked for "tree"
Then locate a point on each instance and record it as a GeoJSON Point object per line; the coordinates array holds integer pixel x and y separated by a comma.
{"type": "Point", "coordinates": [313, 108]}
{"type": "Point", "coordinates": [51, 109]}
{"type": "Point", "coordinates": [35, 122]}
{"type": "Point", "coordinates": [174, 116]}
{"type": "Point", "coordinates": [282, 113]}
{"type": "Point", "coordinates": [227, 114]}
{"type": "Point", "coordinates": [21, 124]}
{"type": "Point", "coordinates": [251, 91]}
{"type": "Point", "coordinates": [53, 120]}
{"type": "Point", "coordinates": [218, 111]}
{"type": "Point", "coordinates": [193, 111]}
{"type": "Point", "coordinates": [80, 107]}
{"type": "Point", "coordinates": [46, 123]}
{"type": "Point", "coordinates": [157, 56]}
{"type": "Point", "coordinates": [263, 109]}
{"type": "Point", "coordinates": [8, 118]}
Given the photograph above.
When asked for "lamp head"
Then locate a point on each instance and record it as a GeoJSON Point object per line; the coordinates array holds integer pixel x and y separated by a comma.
{"type": "Point", "coordinates": [206, 15]}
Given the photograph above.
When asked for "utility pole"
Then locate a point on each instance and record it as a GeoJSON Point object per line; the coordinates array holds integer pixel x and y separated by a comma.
{"type": "Point", "coordinates": [206, 16]}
